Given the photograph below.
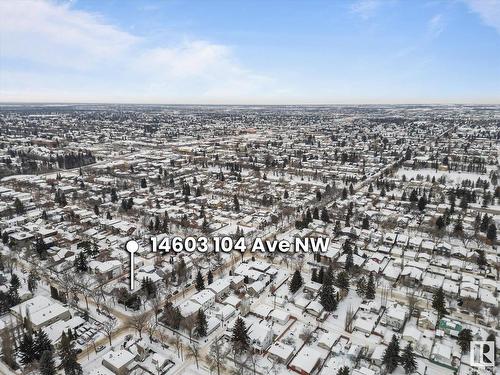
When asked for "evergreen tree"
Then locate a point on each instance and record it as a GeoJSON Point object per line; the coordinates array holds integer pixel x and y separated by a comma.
{"type": "Point", "coordinates": [5, 238]}
{"type": "Point", "coordinates": [96, 209]}
{"type": "Point", "coordinates": [492, 232]}
{"type": "Point", "coordinates": [296, 282]}
{"type": "Point", "coordinates": [344, 193]}
{"type": "Point", "coordinates": [321, 275]}
{"type": "Point", "coordinates": [485, 223]}
{"type": "Point", "coordinates": [344, 370]}
{"type": "Point", "coordinates": [314, 275]}
{"type": "Point", "coordinates": [408, 360]}
{"type": "Point", "coordinates": [81, 264]}
{"type": "Point", "coordinates": [157, 224]}
{"type": "Point", "coordinates": [349, 261]}
{"type": "Point", "coordinates": [422, 202]}
{"type": "Point", "coordinates": [439, 303]}
{"type": "Point", "coordinates": [41, 247]}
{"type": "Point", "coordinates": [32, 281]}
{"type": "Point", "coordinates": [19, 207]}
{"type": "Point", "coordinates": [67, 353]}
{"type": "Point", "coordinates": [205, 228]}
{"type": "Point", "coordinates": [343, 280]}
{"type": "Point", "coordinates": [41, 344]}
{"type": "Point", "coordinates": [391, 355]}
{"type": "Point", "coordinates": [239, 338]}
{"type": "Point", "coordinates": [114, 195]}
{"type": "Point", "coordinates": [318, 195]}
{"type": "Point", "coordinates": [201, 324]}
{"type": "Point", "coordinates": [316, 213]}
{"type": "Point", "coordinates": [210, 277]}
{"type": "Point", "coordinates": [348, 219]}
{"type": "Point", "coordinates": [124, 205]}
{"type": "Point", "coordinates": [62, 200]}
{"type": "Point", "coordinates": [464, 338]}
{"type": "Point", "coordinates": [370, 287]}
{"type": "Point", "coordinates": [47, 364]}
{"type": "Point", "coordinates": [361, 287]}
{"type": "Point", "coordinates": [14, 282]}
{"type": "Point", "coordinates": [308, 217]}
{"type": "Point", "coordinates": [325, 217]}
{"type": "Point", "coordinates": [440, 223]}
{"type": "Point", "coordinates": [459, 226]}
{"type": "Point", "coordinates": [148, 287]}
{"type": "Point", "coordinates": [464, 203]}
{"type": "Point", "coordinates": [413, 196]}
{"type": "Point", "coordinates": [144, 183]}
{"type": "Point", "coordinates": [482, 262]}
{"type": "Point", "coordinates": [236, 203]}
{"type": "Point", "coordinates": [366, 223]}
{"type": "Point", "coordinates": [327, 294]}
{"type": "Point", "coordinates": [200, 283]}
{"type": "Point", "coordinates": [26, 349]}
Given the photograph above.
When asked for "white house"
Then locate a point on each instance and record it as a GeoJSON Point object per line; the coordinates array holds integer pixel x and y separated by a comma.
{"type": "Point", "coordinates": [42, 311]}
{"type": "Point", "coordinates": [204, 298]}
{"type": "Point", "coordinates": [280, 316]}
{"type": "Point", "coordinates": [118, 361]}
{"type": "Point", "coordinates": [395, 316]}
{"type": "Point", "coordinates": [281, 352]}
{"type": "Point", "coordinates": [261, 336]}
{"type": "Point", "coordinates": [220, 288]}
{"type": "Point", "coordinates": [306, 361]}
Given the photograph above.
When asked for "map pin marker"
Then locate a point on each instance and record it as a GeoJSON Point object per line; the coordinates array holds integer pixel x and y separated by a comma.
{"type": "Point", "coordinates": [132, 246]}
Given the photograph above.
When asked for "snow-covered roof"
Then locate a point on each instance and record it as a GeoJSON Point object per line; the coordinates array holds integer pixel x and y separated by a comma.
{"type": "Point", "coordinates": [281, 350]}
{"type": "Point", "coordinates": [119, 358]}
{"type": "Point", "coordinates": [306, 359]}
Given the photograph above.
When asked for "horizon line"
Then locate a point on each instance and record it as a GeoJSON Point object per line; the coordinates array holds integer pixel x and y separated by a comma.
{"type": "Point", "coordinates": [250, 104]}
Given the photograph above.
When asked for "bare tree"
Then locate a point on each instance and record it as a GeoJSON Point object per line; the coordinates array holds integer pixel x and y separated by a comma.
{"type": "Point", "coordinates": [194, 352]}
{"type": "Point", "coordinates": [175, 341]}
{"type": "Point", "coordinates": [494, 311]}
{"type": "Point", "coordinates": [138, 322]}
{"type": "Point", "coordinates": [83, 283]}
{"type": "Point", "coordinates": [253, 359]}
{"type": "Point", "coordinates": [412, 301]}
{"type": "Point", "coordinates": [97, 295]}
{"type": "Point", "coordinates": [151, 327]}
{"type": "Point", "coordinates": [216, 357]}
{"type": "Point", "coordinates": [66, 282]}
{"type": "Point", "coordinates": [156, 302]}
{"type": "Point", "coordinates": [306, 335]}
{"type": "Point", "coordinates": [105, 306]}
{"type": "Point", "coordinates": [164, 337]}
{"type": "Point", "coordinates": [10, 261]}
{"type": "Point", "coordinates": [349, 317]}
{"type": "Point", "coordinates": [189, 324]}
{"type": "Point", "coordinates": [472, 304]}
{"type": "Point", "coordinates": [108, 327]}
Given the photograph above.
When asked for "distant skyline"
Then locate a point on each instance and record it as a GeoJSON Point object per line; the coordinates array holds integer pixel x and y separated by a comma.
{"type": "Point", "coordinates": [250, 52]}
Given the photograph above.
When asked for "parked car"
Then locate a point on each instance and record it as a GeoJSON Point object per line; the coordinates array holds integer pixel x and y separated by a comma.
{"type": "Point", "coordinates": [99, 348]}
